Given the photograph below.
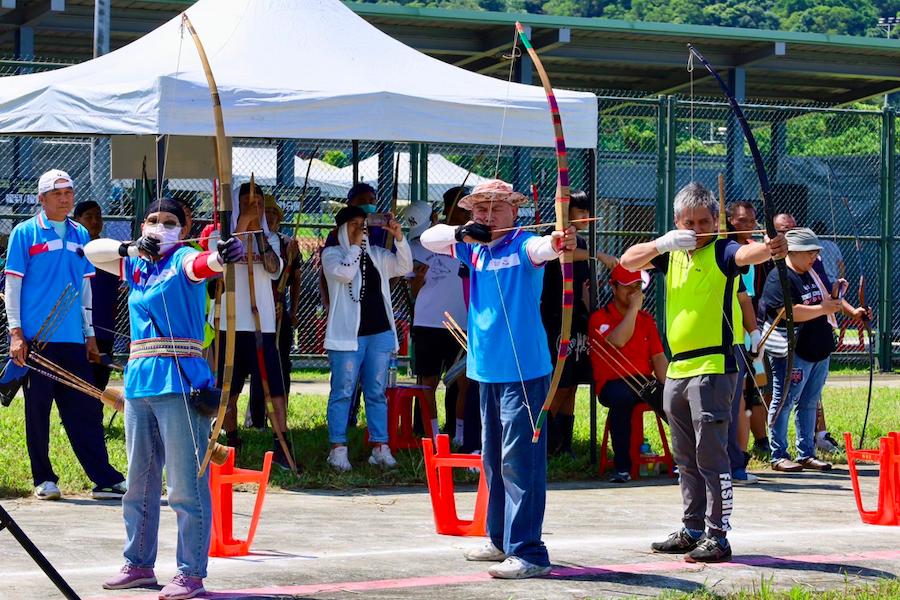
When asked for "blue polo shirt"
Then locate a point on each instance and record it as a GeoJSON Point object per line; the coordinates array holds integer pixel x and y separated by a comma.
{"type": "Point", "coordinates": [178, 307]}
{"type": "Point", "coordinates": [47, 264]}
{"type": "Point", "coordinates": [494, 344]}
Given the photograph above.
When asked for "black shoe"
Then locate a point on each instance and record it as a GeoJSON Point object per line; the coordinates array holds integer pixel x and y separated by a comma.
{"type": "Point", "coordinates": [279, 459]}
{"type": "Point", "coordinates": [677, 543]}
{"type": "Point", "coordinates": [709, 550]}
{"type": "Point", "coordinates": [761, 449]}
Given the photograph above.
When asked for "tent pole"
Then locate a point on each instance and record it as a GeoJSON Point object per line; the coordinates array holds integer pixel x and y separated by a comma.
{"type": "Point", "coordinates": [355, 162]}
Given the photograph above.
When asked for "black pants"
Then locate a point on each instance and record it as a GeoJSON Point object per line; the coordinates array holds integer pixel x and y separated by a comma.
{"type": "Point", "coordinates": [620, 400]}
{"type": "Point", "coordinates": [257, 397]}
{"type": "Point", "coordinates": [82, 417]}
{"type": "Point", "coordinates": [101, 372]}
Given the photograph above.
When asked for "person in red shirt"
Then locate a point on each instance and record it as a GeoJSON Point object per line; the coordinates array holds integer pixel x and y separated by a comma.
{"type": "Point", "coordinates": [626, 355]}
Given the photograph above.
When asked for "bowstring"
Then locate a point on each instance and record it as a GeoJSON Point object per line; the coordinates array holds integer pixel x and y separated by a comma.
{"type": "Point", "coordinates": [512, 341]}
{"type": "Point", "coordinates": [515, 53]}
{"type": "Point", "coordinates": [187, 408]}
{"type": "Point", "coordinates": [690, 70]}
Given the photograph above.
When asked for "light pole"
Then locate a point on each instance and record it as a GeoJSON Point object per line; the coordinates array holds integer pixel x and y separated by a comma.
{"type": "Point", "coordinates": [888, 24]}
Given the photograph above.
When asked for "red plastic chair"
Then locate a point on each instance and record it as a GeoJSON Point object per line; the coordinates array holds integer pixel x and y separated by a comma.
{"type": "Point", "coordinates": [888, 459]}
{"type": "Point", "coordinates": [637, 438]}
{"type": "Point", "coordinates": [439, 474]}
{"type": "Point", "coordinates": [400, 416]}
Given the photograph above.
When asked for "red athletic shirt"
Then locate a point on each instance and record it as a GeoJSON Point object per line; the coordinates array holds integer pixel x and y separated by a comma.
{"type": "Point", "coordinates": [611, 363]}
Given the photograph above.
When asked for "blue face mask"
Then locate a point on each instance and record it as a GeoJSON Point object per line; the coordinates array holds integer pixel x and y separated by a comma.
{"type": "Point", "coordinates": [369, 208]}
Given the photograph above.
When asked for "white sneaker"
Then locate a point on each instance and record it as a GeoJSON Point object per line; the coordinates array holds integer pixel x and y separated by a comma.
{"type": "Point", "coordinates": [337, 458]}
{"type": "Point", "coordinates": [488, 552]}
{"type": "Point", "coordinates": [382, 457]}
{"type": "Point", "coordinates": [518, 568]}
{"type": "Point", "coordinates": [47, 491]}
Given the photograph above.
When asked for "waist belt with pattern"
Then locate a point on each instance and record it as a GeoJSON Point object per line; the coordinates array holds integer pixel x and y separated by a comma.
{"type": "Point", "coordinates": [166, 347]}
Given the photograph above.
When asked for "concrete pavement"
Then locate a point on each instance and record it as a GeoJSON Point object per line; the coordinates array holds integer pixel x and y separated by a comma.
{"type": "Point", "coordinates": [791, 528]}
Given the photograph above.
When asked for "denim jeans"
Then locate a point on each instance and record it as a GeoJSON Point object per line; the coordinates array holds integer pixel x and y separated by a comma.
{"type": "Point", "coordinates": [165, 431]}
{"type": "Point", "coordinates": [805, 392]}
{"type": "Point", "coordinates": [515, 468]}
{"type": "Point", "coordinates": [370, 362]}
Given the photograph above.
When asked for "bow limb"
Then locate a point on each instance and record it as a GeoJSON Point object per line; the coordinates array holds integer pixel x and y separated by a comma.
{"type": "Point", "coordinates": [260, 354]}
{"type": "Point", "coordinates": [223, 168]}
{"type": "Point", "coordinates": [562, 223]}
{"type": "Point", "coordinates": [862, 301]}
{"type": "Point", "coordinates": [770, 220]}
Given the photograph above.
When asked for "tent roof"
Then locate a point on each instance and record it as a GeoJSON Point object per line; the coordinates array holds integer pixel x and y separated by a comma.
{"type": "Point", "coordinates": [298, 69]}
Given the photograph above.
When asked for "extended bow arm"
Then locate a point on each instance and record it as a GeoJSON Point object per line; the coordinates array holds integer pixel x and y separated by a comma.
{"type": "Point", "coordinates": [770, 217]}
{"type": "Point", "coordinates": [562, 223]}
{"type": "Point", "coordinates": [223, 168]}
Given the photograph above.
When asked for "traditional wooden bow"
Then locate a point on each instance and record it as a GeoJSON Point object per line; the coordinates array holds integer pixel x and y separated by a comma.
{"type": "Point", "coordinates": [562, 223]}
{"type": "Point", "coordinates": [223, 168]}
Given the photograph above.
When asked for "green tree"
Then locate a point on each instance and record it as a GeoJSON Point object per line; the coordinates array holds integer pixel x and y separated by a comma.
{"type": "Point", "coordinates": [336, 158]}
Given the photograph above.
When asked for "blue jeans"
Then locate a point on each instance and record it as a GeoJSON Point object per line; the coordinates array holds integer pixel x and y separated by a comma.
{"type": "Point", "coordinates": [805, 392]}
{"type": "Point", "coordinates": [164, 431]}
{"type": "Point", "coordinates": [371, 361]}
{"type": "Point", "coordinates": [515, 469]}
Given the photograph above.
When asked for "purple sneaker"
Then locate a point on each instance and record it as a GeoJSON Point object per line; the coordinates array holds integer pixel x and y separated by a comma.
{"type": "Point", "coordinates": [129, 577]}
{"type": "Point", "coordinates": [182, 587]}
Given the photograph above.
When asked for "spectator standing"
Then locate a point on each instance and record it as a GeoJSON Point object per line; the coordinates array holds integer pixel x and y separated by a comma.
{"type": "Point", "coordinates": [104, 294]}
{"type": "Point", "coordinates": [360, 334]}
{"type": "Point", "coordinates": [45, 256]}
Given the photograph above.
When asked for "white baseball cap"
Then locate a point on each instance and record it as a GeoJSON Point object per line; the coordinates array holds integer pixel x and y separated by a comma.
{"type": "Point", "coordinates": [49, 180]}
{"type": "Point", "coordinates": [418, 217]}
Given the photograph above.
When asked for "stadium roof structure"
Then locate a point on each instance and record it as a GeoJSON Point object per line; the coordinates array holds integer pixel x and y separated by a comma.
{"type": "Point", "coordinates": [595, 54]}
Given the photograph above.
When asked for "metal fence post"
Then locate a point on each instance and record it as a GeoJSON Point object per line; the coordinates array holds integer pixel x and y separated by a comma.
{"type": "Point", "coordinates": [665, 190]}
{"type": "Point", "coordinates": [886, 240]}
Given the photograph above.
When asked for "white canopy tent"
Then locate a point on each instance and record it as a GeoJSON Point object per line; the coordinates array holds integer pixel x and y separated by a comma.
{"type": "Point", "coordinates": [287, 69]}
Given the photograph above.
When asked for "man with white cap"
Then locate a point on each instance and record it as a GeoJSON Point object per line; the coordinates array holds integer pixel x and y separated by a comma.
{"type": "Point", "coordinates": [437, 288]}
{"type": "Point", "coordinates": [46, 256]}
{"type": "Point", "coordinates": [509, 356]}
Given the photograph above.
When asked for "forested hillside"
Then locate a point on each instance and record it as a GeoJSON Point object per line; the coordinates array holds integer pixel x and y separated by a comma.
{"type": "Point", "coordinates": [846, 17]}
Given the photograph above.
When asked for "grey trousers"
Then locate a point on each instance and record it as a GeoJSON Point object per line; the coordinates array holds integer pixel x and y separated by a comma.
{"type": "Point", "coordinates": [699, 410]}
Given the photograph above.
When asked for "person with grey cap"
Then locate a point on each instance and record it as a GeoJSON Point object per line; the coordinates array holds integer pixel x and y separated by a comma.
{"type": "Point", "coordinates": [815, 301]}
{"type": "Point", "coordinates": [46, 261]}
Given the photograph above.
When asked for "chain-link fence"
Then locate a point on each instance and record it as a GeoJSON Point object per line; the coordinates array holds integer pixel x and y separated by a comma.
{"type": "Point", "coordinates": [816, 158]}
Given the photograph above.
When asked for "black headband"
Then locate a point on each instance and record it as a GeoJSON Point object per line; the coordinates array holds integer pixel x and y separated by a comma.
{"type": "Point", "coordinates": [166, 205]}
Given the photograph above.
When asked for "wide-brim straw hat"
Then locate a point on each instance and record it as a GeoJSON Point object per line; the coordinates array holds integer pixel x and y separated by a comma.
{"type": "Point", "coordinates": [492, 190]}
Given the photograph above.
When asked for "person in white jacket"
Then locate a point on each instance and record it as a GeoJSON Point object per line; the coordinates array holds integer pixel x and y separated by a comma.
{"type": "Point", "coordinates": [360, 334]}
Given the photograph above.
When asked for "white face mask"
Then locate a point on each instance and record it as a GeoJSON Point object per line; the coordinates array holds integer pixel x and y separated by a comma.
{"type": "Point", "coordinates": [167, 237]}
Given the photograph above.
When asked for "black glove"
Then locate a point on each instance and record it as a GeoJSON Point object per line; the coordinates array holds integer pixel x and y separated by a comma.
{"type": "Point", "coordinates": [476, 231]}
{"type": "Point", "coordinates": [145, 244]}
{"type": "Point", "coordinates": [231, 250]}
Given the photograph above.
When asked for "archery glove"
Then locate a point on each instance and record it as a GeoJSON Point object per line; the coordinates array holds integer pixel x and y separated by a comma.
{"type": "Point", "coordinates": [677, 239]}
{"type": "Point", "coordinates": [477, 231]}
{"type": "Point", "coordinates": [147, 245]}
{"type": "Point", "coordinates": [231, 250]}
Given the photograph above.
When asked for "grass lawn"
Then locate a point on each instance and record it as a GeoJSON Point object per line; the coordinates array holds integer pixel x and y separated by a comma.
{"type": "Point", "coordinates": [888, 589]}
{"type": "Point", "coordinates": [845, 407]}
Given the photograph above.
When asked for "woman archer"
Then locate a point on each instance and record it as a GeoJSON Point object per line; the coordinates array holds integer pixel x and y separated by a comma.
{"type": "Point", "coordinates": [166, 305]}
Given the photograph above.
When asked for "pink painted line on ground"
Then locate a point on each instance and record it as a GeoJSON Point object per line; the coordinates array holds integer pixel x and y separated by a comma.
{"type": "Point", "coordinates": [413, 582]}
